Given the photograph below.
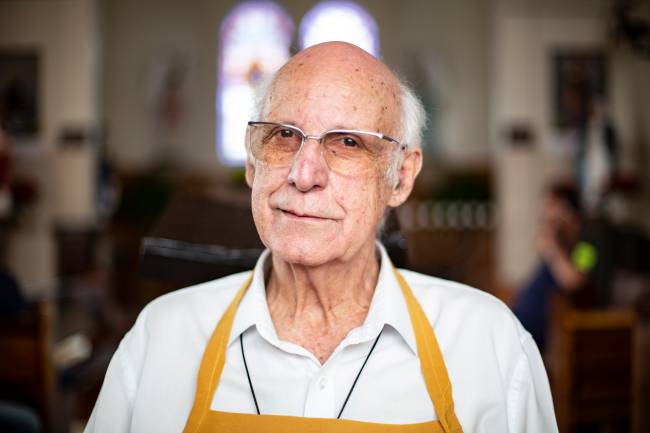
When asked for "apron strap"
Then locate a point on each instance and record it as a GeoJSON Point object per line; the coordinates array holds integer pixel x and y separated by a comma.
{"type": "Point", "coordinates": [212, 363]}
{"type": "Point", "coordinates": [432, 362]}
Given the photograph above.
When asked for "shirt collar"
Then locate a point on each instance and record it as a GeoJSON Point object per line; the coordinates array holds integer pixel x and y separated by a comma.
{"type": "Point", "coordinates": [387, 307]}
{"type": "Point", "coordinates": [253, 309]}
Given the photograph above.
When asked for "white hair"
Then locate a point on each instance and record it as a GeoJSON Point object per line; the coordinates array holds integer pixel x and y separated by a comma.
{"type": "Point", "coordinates": [262, 92]}
{"type": "Point", "coordinates": [412, 121]}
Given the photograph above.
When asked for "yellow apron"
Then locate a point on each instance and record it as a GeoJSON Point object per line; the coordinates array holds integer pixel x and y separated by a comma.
{"type": "Point", "coordinates": [202, 419]}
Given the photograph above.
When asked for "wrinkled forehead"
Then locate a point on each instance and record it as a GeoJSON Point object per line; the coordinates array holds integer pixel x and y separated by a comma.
{"type": "Point", "coordinates": [336, 90]}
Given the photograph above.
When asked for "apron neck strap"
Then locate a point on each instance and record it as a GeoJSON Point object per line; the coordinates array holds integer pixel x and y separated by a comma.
{"type": "Point", "coordinates": [212, 363]}
{"type": "Point", "coordinates": [431, 360]}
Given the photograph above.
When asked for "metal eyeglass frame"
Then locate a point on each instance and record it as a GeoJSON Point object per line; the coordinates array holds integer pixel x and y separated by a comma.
{"type": "Point", "coordinates": [319, 138]}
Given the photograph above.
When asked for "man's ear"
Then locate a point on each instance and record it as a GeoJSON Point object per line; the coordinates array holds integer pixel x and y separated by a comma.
{"type": "Point", "coordinates": [406, 174]}
{"type": "Point", "coordinates": [250, 173]}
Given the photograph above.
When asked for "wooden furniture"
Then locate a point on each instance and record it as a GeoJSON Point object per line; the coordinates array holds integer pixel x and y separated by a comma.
{"type": "Point", "coordinates": [591, 366]}
{"type": "Point", "coordinates": [27, 373]}
{"type": "Point", "coordinates": [199, 237]}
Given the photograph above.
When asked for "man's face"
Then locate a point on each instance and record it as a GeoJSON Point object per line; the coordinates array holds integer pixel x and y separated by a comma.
{"type": "Point", "coordinates": [305, 213]}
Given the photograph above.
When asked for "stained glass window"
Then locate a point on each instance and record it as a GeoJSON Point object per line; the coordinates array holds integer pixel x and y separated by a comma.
{"type": "Point", "coordinates": [340, 21]}
{"type": "Point", "coordinates": [254, 42]}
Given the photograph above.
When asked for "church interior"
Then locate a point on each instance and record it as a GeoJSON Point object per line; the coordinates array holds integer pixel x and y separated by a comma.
{"type": "Point", "coordinates": [121, 173]}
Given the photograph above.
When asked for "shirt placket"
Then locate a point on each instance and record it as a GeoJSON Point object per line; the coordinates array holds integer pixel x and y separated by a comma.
{"type": "Point", "coordinates": [320, 399]}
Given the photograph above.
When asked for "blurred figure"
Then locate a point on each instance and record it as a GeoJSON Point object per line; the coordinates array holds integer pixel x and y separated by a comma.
{"type": "Point", "coordinates": [14, 418]}
{"type": "Point", "coordinates": [566, 259]}
{"type": "Point", "coordinates": [11, 299]}
{"type": "Point", "coordinates": [6, 159]}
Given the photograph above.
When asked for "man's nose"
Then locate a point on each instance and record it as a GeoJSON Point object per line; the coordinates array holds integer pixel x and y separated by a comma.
{"type": "Point", "coordinates": [309, 169]}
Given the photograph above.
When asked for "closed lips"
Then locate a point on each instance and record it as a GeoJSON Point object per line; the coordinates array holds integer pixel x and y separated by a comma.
{"type": "Point", "coordinates": [301, 214]}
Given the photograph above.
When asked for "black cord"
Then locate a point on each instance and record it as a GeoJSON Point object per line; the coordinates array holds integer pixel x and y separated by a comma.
{"type": "Point", "coordinates": [359, 374]}
{"type": "Point", "coordinates": [250, 383]}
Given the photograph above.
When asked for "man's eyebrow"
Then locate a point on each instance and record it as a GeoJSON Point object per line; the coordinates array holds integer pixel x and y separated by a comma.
{"type": "Point", "coordinates": [338, 126]}
{"type": "Point", "coordinates": [348, 128]}
{"type": "Point", "coordinates": [353, 129]}
{"type": "Point", "coordinates": [284, 122]}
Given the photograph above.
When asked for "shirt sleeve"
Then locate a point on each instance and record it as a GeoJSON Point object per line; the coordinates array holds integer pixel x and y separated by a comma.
{"type": "Point", "coordinates": [530, 406]}
{"type": "Point", "coordinates": [112, 411]}
{"type": "Point", "coordinates": [114, 406]}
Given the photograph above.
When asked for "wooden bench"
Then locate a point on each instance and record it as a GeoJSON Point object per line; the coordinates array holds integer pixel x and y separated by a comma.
{"type": "Point", "coordinates": [591, 363]}
{"type": "Point", "coordinates": [27, 373]}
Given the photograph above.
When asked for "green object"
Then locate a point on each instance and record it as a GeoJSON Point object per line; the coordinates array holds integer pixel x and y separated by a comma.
{"type": "Point", "coordinates": [584, 256]}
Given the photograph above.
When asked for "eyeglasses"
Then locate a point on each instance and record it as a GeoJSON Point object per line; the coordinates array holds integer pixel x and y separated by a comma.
{"type": "Point", "coordinates": [345, 151]}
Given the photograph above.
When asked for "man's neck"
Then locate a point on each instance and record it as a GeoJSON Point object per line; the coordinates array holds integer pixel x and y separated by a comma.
{"type": "Point", "coordinates": [316, 307]}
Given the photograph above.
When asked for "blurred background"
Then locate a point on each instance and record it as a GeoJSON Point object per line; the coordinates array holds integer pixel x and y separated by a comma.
{"type": "Point", "coordinates": [121, 154]}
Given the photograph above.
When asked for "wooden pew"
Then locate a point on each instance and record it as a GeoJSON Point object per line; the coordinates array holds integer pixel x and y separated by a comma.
{"type": "Point", "coordinates": [591, 359]}
{"type": "Point", "coordinates": [27, 373]}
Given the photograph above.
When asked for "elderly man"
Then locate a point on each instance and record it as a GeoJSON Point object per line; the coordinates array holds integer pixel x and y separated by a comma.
{"type": "Point", "coordinates": [325, 335]}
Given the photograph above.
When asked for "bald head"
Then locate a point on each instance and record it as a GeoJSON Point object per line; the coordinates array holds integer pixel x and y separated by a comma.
{"type": "Point", "coordinates": [322, 70]}
{"type": "Point", "coordinates": [343, 74]}
{"type": "Point", "coordinates": [343, 60]}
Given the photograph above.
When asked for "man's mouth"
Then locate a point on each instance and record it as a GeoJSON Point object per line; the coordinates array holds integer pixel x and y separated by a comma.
{"type": "Point", "coordinates": [301, 216]}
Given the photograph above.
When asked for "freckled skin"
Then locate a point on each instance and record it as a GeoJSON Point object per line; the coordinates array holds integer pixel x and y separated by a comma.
{"type": "Point", "coordinates": [324, 268]}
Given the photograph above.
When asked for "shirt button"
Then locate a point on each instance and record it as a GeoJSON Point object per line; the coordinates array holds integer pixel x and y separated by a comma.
{"type": "Point", "coordinates": [322, 383]}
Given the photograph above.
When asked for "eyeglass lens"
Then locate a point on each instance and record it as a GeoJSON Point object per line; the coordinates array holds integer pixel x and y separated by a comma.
{"type": "Point", "coordinates": [345, 151]}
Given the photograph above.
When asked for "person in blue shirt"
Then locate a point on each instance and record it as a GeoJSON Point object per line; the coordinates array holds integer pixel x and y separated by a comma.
{"type": "Point", "coordinates": [566, 260]}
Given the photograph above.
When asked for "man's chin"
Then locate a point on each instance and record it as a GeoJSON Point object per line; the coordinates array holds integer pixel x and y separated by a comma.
{"type": "Point", "coordinates": [303, 253]}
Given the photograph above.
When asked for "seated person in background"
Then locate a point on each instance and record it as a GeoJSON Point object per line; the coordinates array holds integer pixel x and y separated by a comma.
{"type": "Point", "coordinates": [325, 334]}
{"type": "Point", "coordinates": [566, 259]}
{"type": "Point", "coordinates": [14, 417]}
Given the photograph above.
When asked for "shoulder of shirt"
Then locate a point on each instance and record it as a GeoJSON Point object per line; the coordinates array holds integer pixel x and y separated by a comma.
{"type": "Point", "coordinates": [473, 325]}
{"type": "Point", "coordinates": [439, 298]}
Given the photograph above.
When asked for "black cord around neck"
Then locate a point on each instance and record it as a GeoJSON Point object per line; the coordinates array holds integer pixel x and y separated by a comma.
{"type": "Point", "coordinates": [359, 374]}
{"type": "Point", "coordinates": [250, 383]}
{"type": "Point", "coordinates": [356, 379]}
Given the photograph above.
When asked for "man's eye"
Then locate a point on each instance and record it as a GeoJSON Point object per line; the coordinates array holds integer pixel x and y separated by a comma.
{"type": "Point", "coordinates": [350, 142]}
{"type": "Point", "coordinates": [286, 133]}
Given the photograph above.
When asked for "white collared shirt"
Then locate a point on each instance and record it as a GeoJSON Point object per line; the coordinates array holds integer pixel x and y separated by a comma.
{"type": "Point", "coordinates": [498, 379]}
